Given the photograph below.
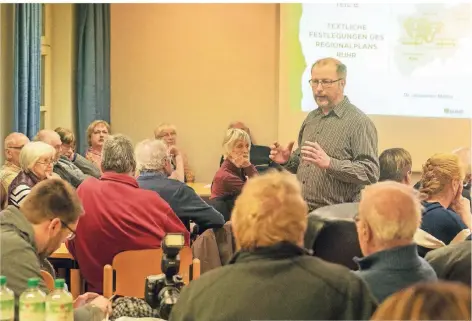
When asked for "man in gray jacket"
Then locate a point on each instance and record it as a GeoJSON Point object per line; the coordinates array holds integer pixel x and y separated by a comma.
{"type": "Point", "coordinates": [28, 235]}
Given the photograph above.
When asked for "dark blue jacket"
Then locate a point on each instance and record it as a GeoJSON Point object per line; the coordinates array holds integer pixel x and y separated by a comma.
{"type": "Point", "coordinates": [183, 200]}
{"type": "Point", "coordinates": [389, 271]}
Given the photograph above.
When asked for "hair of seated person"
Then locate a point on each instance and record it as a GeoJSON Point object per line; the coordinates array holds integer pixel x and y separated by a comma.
{"type": "Point", "coordinates": [427, 301]}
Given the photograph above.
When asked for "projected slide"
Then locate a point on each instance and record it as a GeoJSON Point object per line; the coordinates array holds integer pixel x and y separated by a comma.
{"type": "Point", "coordinates": [402, 59]}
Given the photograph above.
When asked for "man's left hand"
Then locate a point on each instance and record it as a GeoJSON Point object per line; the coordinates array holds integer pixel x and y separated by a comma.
{"type": "Point", "coordinates": [313, 153]}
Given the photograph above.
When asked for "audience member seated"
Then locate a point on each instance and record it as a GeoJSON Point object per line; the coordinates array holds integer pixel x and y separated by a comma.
{"type": "Point", "coordinates": [45, 219]}
{"type": "Point", "coordinates": [452, 262]}
{"type": "Point", "coordinates": [259, 155]}
{"type": "Point", "coordinates": [168, 134]}
{"type": "Point", "coordinates": [272, 277]}
{"type": "Point", "coordinates": [13, 145]}
{"type": "Point", "coordinates": [446, 215]}
{"type": "Point", "coordinates": [464, 155]}
{"type": "Point", "coordinates": [119, 216]}
{"type": "Point", "coordinates": [395, 165]}
{"type": "Point", "coordinates": [36, 162]}
{"type": "Point", "coordinates": [97, 132]}
{"type": "Point", "coordinates": [68, 151]}
{"type": "Point", "coordinates": [389, 215]}
{"type": "Point", "coordinates": [427, 301]}
{"type": "Point", "coordinates": [331, 234]}
{"type": "Point", "coordinates": [154, 167]}
{"type": "Point", "coordinates": [62, 165]}
{"type": "Point", "coordinates": [233, 173]}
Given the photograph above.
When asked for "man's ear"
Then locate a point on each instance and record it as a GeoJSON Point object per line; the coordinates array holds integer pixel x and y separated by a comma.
{"type": "Point", "coordinates": [54, 226]}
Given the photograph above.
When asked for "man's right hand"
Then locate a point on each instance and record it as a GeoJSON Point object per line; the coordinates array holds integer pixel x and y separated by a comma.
{"type": "Point", "coordinates": [280, 154]}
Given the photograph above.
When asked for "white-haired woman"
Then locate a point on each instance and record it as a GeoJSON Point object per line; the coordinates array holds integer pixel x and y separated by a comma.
{"type": "Point", "coordinates": [236, 168]}
{"type": "Point", "coordinates": [180, 167]}
{"type": "Point", "coordinates": [36, 163]}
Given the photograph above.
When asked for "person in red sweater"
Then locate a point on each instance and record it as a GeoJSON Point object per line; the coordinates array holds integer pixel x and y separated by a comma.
{"type": "Point", "coordinates": [236, 168]}
{"type": "Point", "coordinates": [119, 216]}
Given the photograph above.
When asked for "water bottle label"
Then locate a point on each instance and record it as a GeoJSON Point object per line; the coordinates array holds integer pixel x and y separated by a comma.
{"type": "Point", "coordinates": [32, 311]}
{"type": "Point", "coordinates": [59, 311]}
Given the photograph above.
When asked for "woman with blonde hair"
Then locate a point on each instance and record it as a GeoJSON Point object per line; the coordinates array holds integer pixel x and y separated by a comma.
{"type": "Point", "coordinates": [179, 161]}
{"type": "Point", "coordinates": [427, 301]}
{"type": "Point", "coordinates": [36, 163]}
{"type": "Point", "coordinates": [97, 133]}
{"type": "Point", "coordinates": [446, 217]}
{"type": "Point", "coordinates": [236, 168]}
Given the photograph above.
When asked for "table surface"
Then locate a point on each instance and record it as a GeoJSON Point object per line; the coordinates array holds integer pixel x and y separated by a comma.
{"type": "Point", "coordinates": [202, 189]}
{"type": "Point", "coordinates": [62, 253]}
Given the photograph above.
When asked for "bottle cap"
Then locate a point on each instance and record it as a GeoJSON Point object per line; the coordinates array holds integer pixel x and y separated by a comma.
{"type": "Point", "coordinates": [33, 282]}
{"type": "Point", "coordinates": [59, 283]}
{"type": "Point", "coordinates": [3, 280]}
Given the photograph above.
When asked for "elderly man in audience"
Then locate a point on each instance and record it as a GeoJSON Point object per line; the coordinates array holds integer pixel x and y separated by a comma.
{"type": "Point", "coordinates": [62, 165]}
{"type": "Point", "coordinates": [13, 145]}
{"type": "Point", "coordinates": [36, 162]}
{"type": "Point", "coordinates": [181, 168]}
{"type": "Point", "coordinates": [395, 165]}
{"type": "Point", "coordinates": [68, 152]}
{"type": "Point", "coordinates": [272, 277]}
{"type": "Point", "coordinates": [119, 216]}
{"type": "Point", "coordinates": [97, 133]}
{"type": "Point", "coordinates": [446, 216]}
{"type": "Point", "coordinates": [46, 218]}
{"type": "Point", "coordinates": [389, 215]}
{"type": "Point", "coordinates": [237, 167]}
{"type": "Point", "coordinates": [154, 167]}
{"type": "Point", "coordinates": [259, 155]}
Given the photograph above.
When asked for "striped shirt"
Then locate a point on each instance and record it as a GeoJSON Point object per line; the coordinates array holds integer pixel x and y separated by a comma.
{"type": "Point", "coordinates": [349, 138]}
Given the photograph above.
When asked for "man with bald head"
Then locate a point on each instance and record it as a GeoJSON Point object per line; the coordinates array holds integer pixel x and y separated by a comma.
{"type": "Point", "coordinates": [13, 145]}
{"type": "Point", "coordinates": [62, 165]}
{"type": "Point", "coordinates": [389, 215]}
{"type": "Point", "coordinates": [337, 144]}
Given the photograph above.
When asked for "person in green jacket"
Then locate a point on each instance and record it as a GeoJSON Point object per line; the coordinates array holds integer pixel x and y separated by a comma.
{"type": "Point", "coordinates": [272, 277]}
{"type": "Point", "coordinates": [28, 235]}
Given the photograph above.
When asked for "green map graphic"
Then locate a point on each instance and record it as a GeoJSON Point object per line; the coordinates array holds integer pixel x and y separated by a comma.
{"type": "Point", "coordinates": [432, 32]}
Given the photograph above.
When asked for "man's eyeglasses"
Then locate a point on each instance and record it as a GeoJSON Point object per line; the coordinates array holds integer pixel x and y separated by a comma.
{"type": "Point", "coordinates": [324, 82]}
{"type": "Point", "coordinates": [72, 234]}
{"type": "Point", "coordinates": [16, 147]}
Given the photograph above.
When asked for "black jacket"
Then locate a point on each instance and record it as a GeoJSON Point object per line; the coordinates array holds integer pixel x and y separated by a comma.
{"type": "Point", "coordinates": [280, 282]}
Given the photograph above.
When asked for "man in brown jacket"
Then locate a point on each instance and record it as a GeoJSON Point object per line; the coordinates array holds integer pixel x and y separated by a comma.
{"type": "Point", "coordinates": [272, 277]}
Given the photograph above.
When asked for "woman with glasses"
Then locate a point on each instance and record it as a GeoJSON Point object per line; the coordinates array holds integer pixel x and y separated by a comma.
{"type": "Point", "coordinates": [36, 163]}
{"type": "Point", "coordinates": [181, 169]}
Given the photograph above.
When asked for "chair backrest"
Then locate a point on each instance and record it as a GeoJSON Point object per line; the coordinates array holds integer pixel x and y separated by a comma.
{"type": "Point", "coordinates": [3, 197]}
{"type": "Point", "coordinates": [332, 235]}
{"type": "Point", "coordinates": [132, 267]}
{"type": "Point", "coordinates": [48, 280]}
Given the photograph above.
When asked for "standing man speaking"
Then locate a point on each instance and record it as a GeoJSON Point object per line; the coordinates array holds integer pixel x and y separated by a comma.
{"type": "Point", "coordinates": [337, 154]}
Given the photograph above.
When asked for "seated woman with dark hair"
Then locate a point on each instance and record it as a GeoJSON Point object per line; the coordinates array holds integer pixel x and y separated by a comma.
{"type": "Point", "coordinates": [259, 155]}
{"type": "Point", "coordinates": [446, 218]}
{"type": "Point", "coordinates": [236, 168]}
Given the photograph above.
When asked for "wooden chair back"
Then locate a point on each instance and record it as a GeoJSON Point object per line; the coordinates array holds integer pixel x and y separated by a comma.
{"type": "Point", "coordinates": [48, 280]}
{"type": "Point", "coordinates": [132, 267]}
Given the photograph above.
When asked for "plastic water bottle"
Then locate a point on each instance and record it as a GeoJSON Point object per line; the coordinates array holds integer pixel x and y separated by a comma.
{"type": "Point", "coordinates": [32, 302]}
{"type": "Point", "coordinates": [59, 303]}
{"type": "Point", "coordinates": [7, 301]}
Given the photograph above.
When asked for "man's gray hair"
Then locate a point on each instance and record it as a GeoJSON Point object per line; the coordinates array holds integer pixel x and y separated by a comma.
{"type": "Point", "coordinates": [151, 155]}
{"type": "Point", "coordinates": [118, 155]}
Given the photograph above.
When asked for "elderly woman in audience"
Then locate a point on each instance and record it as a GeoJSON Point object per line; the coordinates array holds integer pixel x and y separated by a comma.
{"type": "Point", "coordinates": [389, 215]}
{"type": "Point", "coordinates": [427, 301]}
{"type": "Point", "coordinates": [446, 216]}
{"type": "Point", "coordinates": [68, 152]}
{"type": "Point", "coordinates": [97, 132]}
{"type": "Point", "coordinates": [36, 163]}
{"type": "Point", "coordinates": [259, 155]}
{"type": "Point", "coordinates": [236, 168]}
{"type": "Point", "coordinates": [272, 277]}
{"type": "Point", "coordinates": [395, 165]}
{"type": "Point", "coordinates": [180, 166]}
